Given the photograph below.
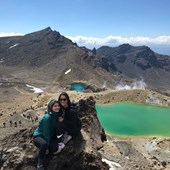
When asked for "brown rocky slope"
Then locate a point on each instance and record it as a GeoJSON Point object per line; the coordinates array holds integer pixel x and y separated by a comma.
{"type": "Point", "coordinates": [18, 152]}
{"type": "Point", "coordinates": [88, 149]}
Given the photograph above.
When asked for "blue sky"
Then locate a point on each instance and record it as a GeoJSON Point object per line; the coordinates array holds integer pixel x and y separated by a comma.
{"type": "Point", "coordinates": [92, 22]}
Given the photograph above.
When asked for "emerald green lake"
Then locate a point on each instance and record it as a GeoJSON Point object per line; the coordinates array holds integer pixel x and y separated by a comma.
{"type": "Point", "coordinates": [131, 119]}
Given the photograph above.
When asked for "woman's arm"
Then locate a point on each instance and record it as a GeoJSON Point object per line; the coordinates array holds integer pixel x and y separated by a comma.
{"type": "Point", "coordinates": [47, 128]}
{"type": "Point", "coordinates": [71, 119]}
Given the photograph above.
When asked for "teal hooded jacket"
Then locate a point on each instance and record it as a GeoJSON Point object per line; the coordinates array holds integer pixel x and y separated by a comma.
{"type": "Point", "coordinates": [46, 127]}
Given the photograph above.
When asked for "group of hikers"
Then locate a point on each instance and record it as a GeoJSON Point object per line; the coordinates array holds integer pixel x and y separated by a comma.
{"type": "Point", "coordinates": [56, 127]}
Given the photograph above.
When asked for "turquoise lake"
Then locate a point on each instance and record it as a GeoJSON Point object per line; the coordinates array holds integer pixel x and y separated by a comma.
{"type": "Point", "coordinates": [131, 119]}
{"type": "Point", "coordinates": [79, 87]}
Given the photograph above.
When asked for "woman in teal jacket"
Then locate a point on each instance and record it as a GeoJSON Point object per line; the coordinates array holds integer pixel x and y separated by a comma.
{"type": "Point", "coordinates": [44, 135]}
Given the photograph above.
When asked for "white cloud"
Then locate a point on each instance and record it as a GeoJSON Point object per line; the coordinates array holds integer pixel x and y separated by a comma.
{"type": "Point", "coordinates": [116, 40]}
{"type": "Point", "coordinates": [5, 34]}
{"type": "Point", "coordinates": [110, 40]}
{"type": "Point", "coordinates": [160, 44]}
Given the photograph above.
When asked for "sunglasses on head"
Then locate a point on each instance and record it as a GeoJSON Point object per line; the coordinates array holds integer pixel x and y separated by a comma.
{"type": "Point", "coordinates": [63, 99]}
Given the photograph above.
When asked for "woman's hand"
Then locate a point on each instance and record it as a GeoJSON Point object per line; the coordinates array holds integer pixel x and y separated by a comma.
{"type": "Point", "coordinates": [60, 119]}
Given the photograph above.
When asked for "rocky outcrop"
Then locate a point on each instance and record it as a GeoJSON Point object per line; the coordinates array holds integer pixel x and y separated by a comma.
{"type": "Point", "coordinates": [93, 88]}
{"type": "Point", "coordinates": [81, 153]}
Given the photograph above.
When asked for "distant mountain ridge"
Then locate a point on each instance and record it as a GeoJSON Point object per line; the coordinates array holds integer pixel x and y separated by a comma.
{"type": "Point", "coordinates": [142, 56]}
{"type": "Point", "coordinates": [136, 62]}
{"type": "Point", "coordinates": [46, 55]}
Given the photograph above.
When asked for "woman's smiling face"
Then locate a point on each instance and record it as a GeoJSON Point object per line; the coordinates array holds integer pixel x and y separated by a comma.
{"type": "Point", "coordinates": [56, 107]}
{"type": "Point", "coordinates": [63, 101]}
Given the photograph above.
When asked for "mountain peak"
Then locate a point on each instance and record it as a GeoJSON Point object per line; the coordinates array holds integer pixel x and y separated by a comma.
{"type": "Point", "coordinates": [40, 32]}
{"type": "Point", "coordinates": [125, 45]}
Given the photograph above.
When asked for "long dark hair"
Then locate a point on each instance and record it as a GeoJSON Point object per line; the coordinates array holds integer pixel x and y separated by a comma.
{"type": "Point", "coordinates": [66, 96]}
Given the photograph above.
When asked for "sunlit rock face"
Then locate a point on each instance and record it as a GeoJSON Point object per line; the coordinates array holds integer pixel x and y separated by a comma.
{"type": "Point", "coordinates": [18, 151]}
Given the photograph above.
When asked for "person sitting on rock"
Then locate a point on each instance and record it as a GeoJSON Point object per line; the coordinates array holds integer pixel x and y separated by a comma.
{"type": "Point", "coordinates": [71, 123]}
{"type": "Point", "coordinates": [44, 135]}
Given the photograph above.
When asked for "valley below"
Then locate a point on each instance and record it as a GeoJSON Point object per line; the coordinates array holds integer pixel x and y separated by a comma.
{"type": "Point", "coordinates": [19, 103]}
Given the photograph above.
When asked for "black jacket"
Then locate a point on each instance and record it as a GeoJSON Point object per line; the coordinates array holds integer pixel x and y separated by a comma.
{"type": "Point", "coordinates": [71, 120]}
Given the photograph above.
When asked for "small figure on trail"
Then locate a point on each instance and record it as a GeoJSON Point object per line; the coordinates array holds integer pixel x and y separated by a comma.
{"type": "Point", "coordinates": [15, 123]}
{"type": "Point", "coordinates": [36, 119]}
{"type": "Point", "coordinates": [4, 124]}
{"type": "Point", "coordinates": [19, 122]}
{"type": "Point", "coordinates": [10, 123]}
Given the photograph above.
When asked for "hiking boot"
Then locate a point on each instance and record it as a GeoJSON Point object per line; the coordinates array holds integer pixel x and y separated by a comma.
{"type": "Point", "coordinates": [66, 138]}
{"type": "Point", "coordinates": [60, 148]}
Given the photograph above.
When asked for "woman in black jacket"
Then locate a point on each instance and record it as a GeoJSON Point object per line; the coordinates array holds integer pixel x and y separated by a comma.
{"type": "Point", "coordinates": [70, 120]}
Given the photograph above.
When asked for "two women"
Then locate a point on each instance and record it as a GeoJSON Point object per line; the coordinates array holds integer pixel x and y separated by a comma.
{"type": "Point", "coordinates": [57, 126]}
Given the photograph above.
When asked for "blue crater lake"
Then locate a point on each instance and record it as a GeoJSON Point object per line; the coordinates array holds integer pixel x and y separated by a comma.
{"type": "Point", "coordinates": [79, 87]}
{"type": "Point", "coordinates": [131, 119]}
